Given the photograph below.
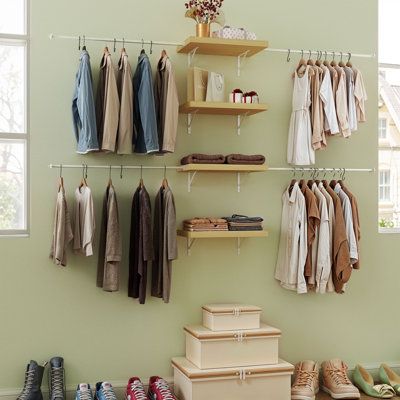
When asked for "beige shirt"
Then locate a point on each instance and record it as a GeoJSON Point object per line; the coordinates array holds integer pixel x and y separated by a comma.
{"type": "Point", "coordinates": [316, 116]}
{"type": "Point", "coordinates": [326, 94]}
{"type": "Point", "coordinates": [84, 221]}
{"type": "Point", "coordinates": [125, 92]}
{"type": "Point", "coordinates": [360, 94]}
{"type": "Point", "coordinates": [62, 231]}
{"type": "Point", "coordinates": [293, 242]}
{"type": "Point", "coordinates": [341, 104]}
{"type": "Point", "coordinates": [321, 246]}
{"type": "Point", "coordinates": [111, 106]}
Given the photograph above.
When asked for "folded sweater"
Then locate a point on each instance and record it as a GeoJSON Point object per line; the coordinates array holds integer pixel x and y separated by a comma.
{"type": "Point", "coordinates": [256, 159]}
{"type": "Point", "coordinates": [203, 159]}
{"type": "Point", "coordinates": [204, 220]}
{"type": "Point", "coordinates": [243, 218]}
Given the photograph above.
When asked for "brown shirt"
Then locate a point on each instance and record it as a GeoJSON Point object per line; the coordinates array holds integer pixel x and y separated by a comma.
{"type": "Point", "coordinates": [356, 221]}
{"type": "Point", "coordinates": [313, 220]}
{"type": "Point", "coordinates": [341, 265]}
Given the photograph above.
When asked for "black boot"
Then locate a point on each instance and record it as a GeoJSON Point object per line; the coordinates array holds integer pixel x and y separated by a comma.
{"type": "Point", "coordinates": [56, 379]}
{"type": "Point", "coordinates": [33, 381]}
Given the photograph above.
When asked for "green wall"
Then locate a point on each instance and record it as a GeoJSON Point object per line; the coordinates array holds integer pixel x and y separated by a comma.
{"type": "Point", "coordinates": [46, 310]}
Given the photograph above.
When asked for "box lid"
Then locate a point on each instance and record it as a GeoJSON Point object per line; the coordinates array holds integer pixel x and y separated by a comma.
{"type": "Point", "coordinates": [193, 373]}
{"type": "Point", "coordinates": [202, 333]}
{"type": "Point", "coordinates": [230, 308]}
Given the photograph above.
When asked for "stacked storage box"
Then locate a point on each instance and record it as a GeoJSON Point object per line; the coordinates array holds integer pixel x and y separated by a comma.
{"type": "Point", "coordinates": [233, 356]}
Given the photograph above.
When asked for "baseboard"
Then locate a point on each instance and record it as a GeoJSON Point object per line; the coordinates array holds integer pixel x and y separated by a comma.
{"type": "Point", "coordinates": [119, 389]}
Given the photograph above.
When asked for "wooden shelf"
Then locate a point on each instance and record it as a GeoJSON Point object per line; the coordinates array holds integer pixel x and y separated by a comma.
{"type": "Point", "coordinates": [222, 234]}
{"type": "Point", "coordinates": [219, 108]}
{"type": "Point", "coordinates": [191, 237]}
{"type": "Point", "coordinates": [222, 47]}
{"type": "Point", "coordinates": [222, 168]}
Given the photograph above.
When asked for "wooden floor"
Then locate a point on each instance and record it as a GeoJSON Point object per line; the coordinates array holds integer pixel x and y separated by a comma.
{"type": "Point", "coordinates": [324, 396]}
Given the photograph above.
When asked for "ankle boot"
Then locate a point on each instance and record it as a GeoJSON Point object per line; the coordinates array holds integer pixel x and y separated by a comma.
{"type": "Point", "coordinates": [33, 381]}
{"type": "Point", "coordinates": [56, 379]}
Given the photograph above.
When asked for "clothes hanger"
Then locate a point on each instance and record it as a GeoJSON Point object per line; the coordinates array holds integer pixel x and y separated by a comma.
{"type": "Point", "coordinates": [151, 47]}
{"type": "Point", "coordinates": [342, 178]}
{"type": "Point", "coordinates": [61, 182]}
{"type": "Point", "coordinates": [165, 182]}
{"type": "Point", "coordinates": [109, 178]}
{"type": "Point", "coordinates": [164, 53]}
{"type": "Point", "coordinates": [341, 63]}
{"type": "Point", "coordinates": [349, 64]}
{"type": "Point", "coordinates": [84, 43]}
{"type": "Point", "coordinates": [141, 183]}
{"type": "Point", "coordinates": [310, 61]}
{"type": "Point", "coordinates": [123, 46]}
{"type": "Point", "coordinates": [84, 176]}
{"type": "Point", "coordinates": [302, 180]}
{"type": "Point", "coordinates": [143, 51]}
{"type": "Point", "coordinates": [333, 181]}
{"type": "Point", "coordinates": [318, 63]}
{"type": "Point", "coordinates": [293, 181]}
{"type": "Point", "coordinates": [302, 63]}
{"type": "Point", "coordinates": [326, 62]}
{"type": "Point", "coordinates": [333, 62]}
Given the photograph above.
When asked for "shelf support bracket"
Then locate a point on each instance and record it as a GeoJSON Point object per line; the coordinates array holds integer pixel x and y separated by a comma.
{"type": "Point", "coordinates": [189, 245]}
{"type": "Point", "coordinates": [190, 117]}
{"type": "Point", "coordinates": [190, 179]}
{"type": "Point", "coordinates": [239, 242]}
{"type": "Point", "coordinates": [240, 58]}
{"type": "Point", "coordinates": [191, 55]}
{"type": "Point", "coordinates": [240, 120]}
{"type": "Point", "coordinates": [238, 182]}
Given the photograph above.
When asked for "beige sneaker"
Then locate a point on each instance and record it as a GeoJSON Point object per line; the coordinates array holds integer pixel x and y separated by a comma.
{"type": "Point", "coordinates": [336, 382]}
{"type": "Point", "coordinates": [305, 385]}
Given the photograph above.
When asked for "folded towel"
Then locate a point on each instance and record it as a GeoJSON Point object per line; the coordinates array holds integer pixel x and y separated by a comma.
{"type": "Point", "coordinates": [204, 220]}
{"type": "Point", "coordinates": [206, 226]}
{"type": "Point", "coordinates": [256, 159]}
{"type": "Point", "coordinates": [243, 218]}
{"type": "Point", "coordinates": [203, 159]}
{"type": "Point", "coordinates": [207, 230]}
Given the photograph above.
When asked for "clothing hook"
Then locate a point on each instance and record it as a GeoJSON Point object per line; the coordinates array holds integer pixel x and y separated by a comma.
{"type": "Point", "coordinates": [341, 56]}
{"type": "Point", "coordinates": [115, 45]}
{"type": "Point", "coordinates": [294, 172]}
{"type": "Point", "coordinates": [142, 43]}
{"type": "Point", "coordinates": [86, 171]}
{"type": "Point", "coordinates": [165, 171]}
{"type": "Point", "coordinates": [83, 171]}
{"type": "Point", "coordinates": [141, 172]}
{"type": "Point", "coordinates": [302, 172]}
{"type": "Point", "coordinates": [326, 55]}
{"type": "Point", "coordinates": [84, 42]}
{"type": "Point", "coordinates": [309, 55]}
{"type": "Point", "coordinates": [120, 173]}
{"type": "Point", "coordinates": [109, 173]}
{"type": "Point", "coordinates": [288, 56]}
{"type": "Point", "coordinates": [302, 53]}
{"type": "Point", "coordinates": [151, 47]}
{"type": "Point", "coordinates": [123, 43]}
{"type": "Point", "coordinates": [79, 43]}
{"type": "Point", "coordinates": [334, 55]}
{"type": "Point", "coordinates": [348, 60]}
{"type": "Point", "coordinates": [60, 170]}
{"type": "Point", "coordinates": [324, 173]}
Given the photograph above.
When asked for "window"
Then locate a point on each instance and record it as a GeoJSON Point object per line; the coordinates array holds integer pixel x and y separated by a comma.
{"type": "Point", "coordinates": [382, 128]}
{"type": "Point", "coordinates": [384, 186]}
{"type": "Point", "coordinates": [14, 127]}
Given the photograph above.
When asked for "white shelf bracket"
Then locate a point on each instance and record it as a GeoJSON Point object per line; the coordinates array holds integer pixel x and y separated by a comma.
{"type": "Point", "coordinates": [240, 120]}
{"type": "Point", "coordinates": [190, 178]}
{"type": "Point", "coordinates": [189, 245]}
{"type": "Point", "coordinates": [240, 58]}
{"type": "Point", "coordinates": [238, 182]}
{"type": "Point", "coordinates": [191, 55]}
{"type": "Point", "coordinates": [239, 242]}
{"type": "Point", "coordinates": [190, 117]}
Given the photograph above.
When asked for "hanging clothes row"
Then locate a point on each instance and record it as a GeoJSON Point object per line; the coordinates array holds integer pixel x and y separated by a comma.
{"type": "Point", "coordinates": [157, 244]}
{"type": "Point", "coordinates": [320, 234]}
{"type": "Point", "coordinates": [131, 113]}
{"type": "Point", "coordinates": [328, 99]}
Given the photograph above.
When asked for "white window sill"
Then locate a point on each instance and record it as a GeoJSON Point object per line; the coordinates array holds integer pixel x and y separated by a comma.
{"type": "Point", "coordinates": [389, 230]}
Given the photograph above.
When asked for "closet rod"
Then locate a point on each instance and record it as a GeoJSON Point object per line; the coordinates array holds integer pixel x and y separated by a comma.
{"type": "Point", "coordinates": [310, 169]}
{"type": "Point", "coordinates": [162, 43]}
{"type": "Point", "coordinates": [78, 166]}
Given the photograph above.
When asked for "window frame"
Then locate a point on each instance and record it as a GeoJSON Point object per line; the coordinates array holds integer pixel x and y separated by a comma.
{"type": "Point", "coordinates": [22, 39]}
{"type": "Point", "coordinates": [384, 186]}
{"type": "Point", "coordinates": [380, 119]}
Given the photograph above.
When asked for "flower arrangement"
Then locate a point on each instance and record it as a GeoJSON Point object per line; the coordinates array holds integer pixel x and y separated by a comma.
{"type": "Point", "coordinates": [205, 11]}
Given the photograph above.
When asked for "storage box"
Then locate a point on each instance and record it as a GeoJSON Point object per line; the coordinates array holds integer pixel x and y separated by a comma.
{"type": "Point", "coordinates": [209, 349]}
{"type": "Point", "coordinates": [231, 317]}
{"type": "Point", "coordinates": [270, 382]}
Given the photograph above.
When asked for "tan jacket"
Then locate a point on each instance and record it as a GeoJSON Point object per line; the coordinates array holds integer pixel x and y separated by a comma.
{"type": "Point", "coordinates": [167, 105]}
{"type": "Point", "coordinates": [125, 92]}
{"type": "Point", "coordinates": [111, 106]}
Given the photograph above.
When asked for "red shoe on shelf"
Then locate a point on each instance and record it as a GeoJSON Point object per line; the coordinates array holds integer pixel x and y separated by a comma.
{"type": "Point", "coordinates": [135, 390]}
{"type": "Point", "coordinates": [159, 389]}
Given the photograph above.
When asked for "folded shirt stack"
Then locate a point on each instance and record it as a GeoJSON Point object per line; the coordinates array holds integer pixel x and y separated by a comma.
{"type": "Point", "coordinates": [244, 223]}
{"type": "Point", "coordinates": [205, 224]}
{"type": "Point", "coordinates": [237, 159]}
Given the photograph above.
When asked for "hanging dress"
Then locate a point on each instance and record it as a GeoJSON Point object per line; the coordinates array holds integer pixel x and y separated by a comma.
{"type": "Point", "coordinates": [300, 151]}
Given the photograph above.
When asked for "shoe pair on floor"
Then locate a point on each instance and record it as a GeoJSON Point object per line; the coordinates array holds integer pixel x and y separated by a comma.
{"type": "Point", "coordinates": [158, 390]}
{"type": "Point", "coordinates": [33, 380]}
{"type": "Point", "coordinates": [335, 381]}
{"type": "Point", "coordinates": [390, 382]}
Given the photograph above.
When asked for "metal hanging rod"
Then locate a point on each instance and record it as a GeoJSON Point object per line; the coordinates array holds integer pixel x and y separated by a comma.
{"type": "Point", "coordinates": [84, 38]}
{"type": "Point", "coordinates": [118, 167]}
{"type": "Point", "coordinates": [310, 169]}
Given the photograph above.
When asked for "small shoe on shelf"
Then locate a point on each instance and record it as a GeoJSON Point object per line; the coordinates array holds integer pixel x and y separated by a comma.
{"type": "Point", "coordinates": [135, 390]}
{"type": "Point", "coordinates": [57, 379]}
{"type": "Point", "coordinates": [389, 377]}
{"type": "Point", "coordinates": [104, 391]}
{"type": "Point", "coordinates": [306, 382]}
{"type": "Point", "coordinates": [335, 381]}
{"type": "Point", "coordinates": [83, 392]}
{"type": "Point", "coordinates": [364, 381]}
{"type": "Point", "coordinates": [159, 389]}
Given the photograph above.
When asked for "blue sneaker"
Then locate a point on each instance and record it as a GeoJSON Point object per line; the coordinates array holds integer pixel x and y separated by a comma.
{"type": "Point", "coordinates": [83, 392]}
{"type": "Point", "coordinates": [104, 391]}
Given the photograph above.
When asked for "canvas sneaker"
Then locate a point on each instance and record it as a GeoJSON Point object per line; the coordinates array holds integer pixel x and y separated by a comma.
{"type": "Point", "coordinates": [104, 391]}
{"type": "Point", "coordinates": [159, 389]}
{"type": "Point", "coordinates": [306, 382]}
{"type": "Point", "coordinates": [135, 390]}
{"type": "Point", "coordinates": [83, 392]}
{"type": "Point", "coordinates": [335, 381]}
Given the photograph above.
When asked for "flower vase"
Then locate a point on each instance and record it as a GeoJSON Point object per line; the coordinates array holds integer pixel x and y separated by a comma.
{"type": "Point", "coordinates": [203, 30]}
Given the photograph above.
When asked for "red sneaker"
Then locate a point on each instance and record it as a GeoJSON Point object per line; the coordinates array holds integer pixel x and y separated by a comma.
{"type": "Point", "coordinates": [159, 389]}
{"type": "Point", "coordinates": [135, 390]}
